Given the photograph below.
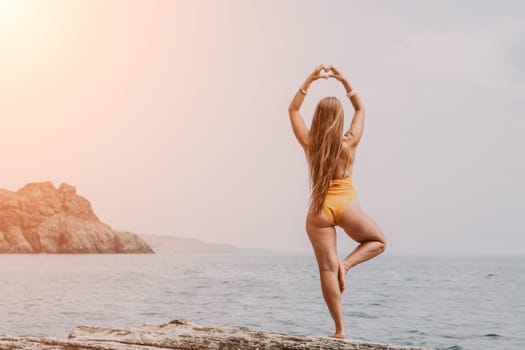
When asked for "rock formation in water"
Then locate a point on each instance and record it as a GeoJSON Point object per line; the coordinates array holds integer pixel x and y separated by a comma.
{"type": "Point", "coordinates": [183, 334]}
{"type": "Point", "coordinates": [39, 218]}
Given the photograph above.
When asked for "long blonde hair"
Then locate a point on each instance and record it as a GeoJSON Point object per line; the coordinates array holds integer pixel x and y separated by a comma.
{"type": "Point", "coordinates": [326, 137]}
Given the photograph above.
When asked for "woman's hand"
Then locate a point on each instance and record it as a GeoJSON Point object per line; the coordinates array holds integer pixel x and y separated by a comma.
{"type": "Point", "coordinates": [316, 74]}
{"type": "Point", "coordinates": [336, 74]}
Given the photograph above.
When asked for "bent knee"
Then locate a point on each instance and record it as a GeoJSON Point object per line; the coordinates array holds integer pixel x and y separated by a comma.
{"type": "Point", "coordinates": [382, 246]}
{"type": "Point", "coordinates": [382, 242]}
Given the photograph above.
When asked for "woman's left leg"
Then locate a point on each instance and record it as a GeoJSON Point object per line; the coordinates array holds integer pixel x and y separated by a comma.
{"type": "Point", "coordinates": [322, 236]}
{"type": "Point", "coordinates": [363, 229]}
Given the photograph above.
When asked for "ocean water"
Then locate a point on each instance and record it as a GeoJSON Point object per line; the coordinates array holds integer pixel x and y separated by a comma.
{"type": "Point", "coordinates": [447, 302]}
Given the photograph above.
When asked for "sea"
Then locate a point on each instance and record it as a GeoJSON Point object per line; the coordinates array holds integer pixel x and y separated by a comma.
{"type": "Point", "coordinates": [444, 302]}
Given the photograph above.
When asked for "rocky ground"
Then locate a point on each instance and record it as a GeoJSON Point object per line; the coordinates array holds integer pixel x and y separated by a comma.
{"type": "Point", "coordinates": [185, 335]}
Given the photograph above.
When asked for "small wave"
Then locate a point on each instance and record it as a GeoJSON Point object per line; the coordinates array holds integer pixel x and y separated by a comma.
{"type": "Point", "coordinates": [454, 347]}
{"type": "Point", "coordinates": [493, 335]}
{"type": "Point", "coordinates": [149, 313]}
{"type": "Point", "coordinates": [450, 336]}
{"type": "Point", "coordinates": [359, 314]}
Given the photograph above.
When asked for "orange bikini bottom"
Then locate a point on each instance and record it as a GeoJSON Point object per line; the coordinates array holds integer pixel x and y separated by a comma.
{"type": "Point", "coordinates": [340, 192]}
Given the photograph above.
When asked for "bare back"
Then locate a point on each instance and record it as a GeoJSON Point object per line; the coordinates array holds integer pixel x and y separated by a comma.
{"type": "Point", "coordinates": [347, 150]}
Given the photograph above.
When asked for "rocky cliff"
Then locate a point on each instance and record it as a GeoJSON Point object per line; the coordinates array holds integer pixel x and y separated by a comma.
{"type": "Point", "coordinates": [39, 218]}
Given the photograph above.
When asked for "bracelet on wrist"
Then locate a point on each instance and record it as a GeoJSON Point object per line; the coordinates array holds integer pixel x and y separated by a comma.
{"type": "Point", "coordinates": [303, 91]}
{"type": "Point", "coordinates": [351, 93]}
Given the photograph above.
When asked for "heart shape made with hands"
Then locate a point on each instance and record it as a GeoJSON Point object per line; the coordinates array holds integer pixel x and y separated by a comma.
{"type": "Point", "coordinates": [327, 69]}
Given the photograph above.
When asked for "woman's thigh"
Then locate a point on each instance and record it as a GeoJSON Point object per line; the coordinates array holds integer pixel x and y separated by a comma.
{"type": "Point", "coordinates": [322, 236]}
{"type": "Point", "coordinates": [358, 225]}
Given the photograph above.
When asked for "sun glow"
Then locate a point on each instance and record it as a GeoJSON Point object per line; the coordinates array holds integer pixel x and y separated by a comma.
{"type": "Point", "coordinates": [15, 17]}
{"type": "Point", "coordinates": [9, 10]}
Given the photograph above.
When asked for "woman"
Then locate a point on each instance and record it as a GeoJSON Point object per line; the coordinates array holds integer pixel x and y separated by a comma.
{"type": "Point", "coordinates": [333, 200]}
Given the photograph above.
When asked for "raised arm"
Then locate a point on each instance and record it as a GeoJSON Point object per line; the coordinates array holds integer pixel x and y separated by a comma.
{"type": "Point", "coordinates": [299, 127]}
{"type": "Point", "coordinates": [355, 131]}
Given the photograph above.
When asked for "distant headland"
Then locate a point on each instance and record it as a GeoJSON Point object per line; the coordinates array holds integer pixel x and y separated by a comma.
{"type": "Point", "coordinates": [173, 244]}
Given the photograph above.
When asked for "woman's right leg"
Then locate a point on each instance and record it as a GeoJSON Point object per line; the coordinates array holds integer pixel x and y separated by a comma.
{"type": "Point", "coordinates": [322, 236]}
{"type": "Point", "coordinates": [363, 229]}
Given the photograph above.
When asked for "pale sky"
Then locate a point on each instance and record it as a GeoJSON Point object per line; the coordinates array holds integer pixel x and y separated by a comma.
{"type": "Point", "coordinates": [171, 117]}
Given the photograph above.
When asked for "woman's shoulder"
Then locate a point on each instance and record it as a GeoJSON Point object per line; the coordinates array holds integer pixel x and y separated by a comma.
{"type": "Point", "coordinates": [349, 140]}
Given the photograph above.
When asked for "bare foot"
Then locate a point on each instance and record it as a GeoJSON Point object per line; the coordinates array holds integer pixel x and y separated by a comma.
{"type": "Point", "coordinates": [341, 272]}
{"type": "Point", "coordinates": [337, 335]}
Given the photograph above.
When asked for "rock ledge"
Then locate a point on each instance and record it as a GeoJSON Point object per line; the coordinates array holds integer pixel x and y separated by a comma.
{"type": "Point", "coordinates": [183, 334]}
